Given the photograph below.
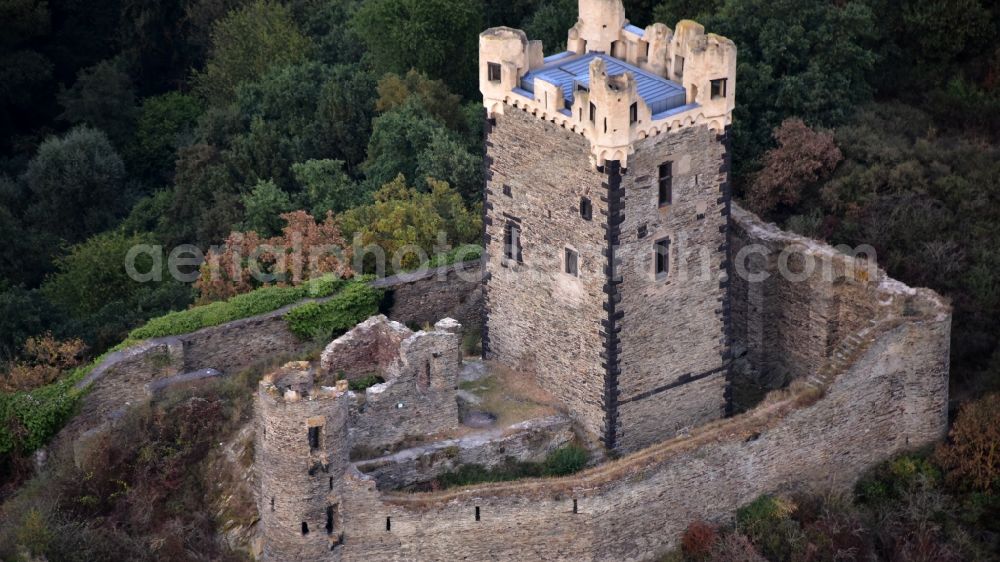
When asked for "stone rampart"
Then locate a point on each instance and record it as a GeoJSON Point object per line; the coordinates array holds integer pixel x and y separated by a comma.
{"type": "Point", "coordinates": [879, 387]}
{"type": "Point", "coordinates": [120, 379]}
{"type": "Point", "coordinates": [794, 299]}
{"type": "Point", "coordinates": [891, 398]}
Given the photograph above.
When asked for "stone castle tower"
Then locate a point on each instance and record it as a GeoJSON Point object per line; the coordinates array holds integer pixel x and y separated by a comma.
{"type": "Point", "coordinates": [301, 452]}
{"type": "Point", "coordinates": [606, 219]}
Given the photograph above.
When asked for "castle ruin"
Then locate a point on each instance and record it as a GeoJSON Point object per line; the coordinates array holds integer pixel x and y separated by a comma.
{"type": "Point", "coordinates": [619, 276]}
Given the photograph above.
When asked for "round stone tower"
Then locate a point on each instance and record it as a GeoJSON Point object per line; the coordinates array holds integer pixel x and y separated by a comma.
{"type": "Point", "coordinates": [301, 454]}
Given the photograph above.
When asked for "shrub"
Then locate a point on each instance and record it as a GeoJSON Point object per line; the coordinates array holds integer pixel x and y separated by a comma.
{"type": "Point", "coordinates": [365, 382]}
{"type": "Point", "coordinates": [28, 419]}
{"type": "Point", "coordinates": [259, 301]}
{"type": "Point", "coordinates": [45, 359]}
{"type": "Point", "coordinates": [895, 478]}
{"type": "Point", "coordinates": [356, 302]}
{"type": "Point", "coordinates": [699, 539]}
{"type": "Point", "coordinates": [735, 547]}
{"type": "Point", "coordinates": [560, 462]}
{"type": "Point", "coordinates": [972, 455]}
{"type": "Point", "coordinates": [461, 254]}
{"type": "Point", "coordinates": [767, 522]}
{"type": "Point", "coordinates": [565, 460]}
{"type": "Point", "coordinates": [33, 534]}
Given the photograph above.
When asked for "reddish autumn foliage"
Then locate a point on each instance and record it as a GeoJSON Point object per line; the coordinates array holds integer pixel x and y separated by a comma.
{"type": "Point", "coordinates": [972, 453]}
{"type": "Point", "coordinates": [305, 249]}
{"type": "Point", "coordinates": [699, 539]}
{"type": "Point", "coordinates": [803, 157]}
{"type": "Point", "coordinates": [44, 360]}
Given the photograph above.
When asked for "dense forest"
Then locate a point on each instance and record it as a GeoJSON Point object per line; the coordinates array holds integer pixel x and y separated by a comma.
{"type": "Point", "coordinates": [214, 122]}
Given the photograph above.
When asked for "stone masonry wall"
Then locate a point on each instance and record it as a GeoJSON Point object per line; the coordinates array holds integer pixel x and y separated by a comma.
{"type": "Point", "coordinates": [540, 318]}
{"type": "Point", "coordinates": [891, 399]}
{"type": "Point", "coordinates": [371, 347]}
{"type": "Point", "coordinates": [417, 399]}
{"type": "Point", "coordinates": [119, 380]}
{"type": "Point", "coordinates": [789, 324]}
{"type": "Point", "coordinates": [528, 441]}
{"type": "Point", "coordinates": [454, 291]}
{"type": "Point", "coordinates": [300, 455]}
{"type": "Point", "coordinates": [672, 328]}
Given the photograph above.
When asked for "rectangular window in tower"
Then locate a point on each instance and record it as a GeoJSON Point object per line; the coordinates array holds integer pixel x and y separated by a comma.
{"type": "Point", "coordinates": [661, 255]}
{"type": "Point", "coordinates": [512, 242]}
{"type": "Point", "coordinates": [314, 434]}
{"type": "Point", "coordinates": [666, 184]}
{"type": "Point", "coordinates": [593, 112]}
{"type": "Point", "coordinates": [679, 67]}
{"type": "Point", "coordinates": [572, 259]}
{"type": "Point", "coordinates": [586, 209]}
{"type": "Point", "coordinates": [718, 88]}
{"type": "Point", "coordinates": [633, 113]}
{"type": "Point", "coordinates": [507, 191]}
{"type": "Point", "coordinates": [493, 69]}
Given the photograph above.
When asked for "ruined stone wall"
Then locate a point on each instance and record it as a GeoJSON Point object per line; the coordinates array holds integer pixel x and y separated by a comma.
{"type": "Point", "coordinates": [237, 345]}
{"type": "Point", "coordinates": [540, 318]}
{"type": "Point", "coordinates": [453, 291]}
{"type": "Point", "coordinates": [417, 401]}
{"type": "Point", "coordinates": [119, 381]}
{"type": "Point", "coordinates": [420, 371]}
{"type": "Point", "coordinates": [370, 348]}
{"type": "Point", "coordinates": [789, 323]}
{"type": "Point", "coordinates": [300, 455]}
{"type": "Point", "coordinates": [673, 333]}
{"type": "Point", "coordinates": [529, 441]}
{"type": "Point", "coordinates": [891, 399]}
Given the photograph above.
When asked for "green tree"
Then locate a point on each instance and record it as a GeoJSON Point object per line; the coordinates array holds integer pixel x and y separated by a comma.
{"type": "Point", "coordinates": [807, 58]}
{"type": "Point", "coordinates": [103, 97]}
{"type": "Point", "coordinates": [550, 23]}
{"type": "Point", "coordinates": [398, 139]}
{"type": "Point", "coordinates": [672, 11]}
{"type": "Point", "coordinates": [23, 314]}
{"type": "Point", "coordinates": [437, 37]}
{"type": "Point", "coordinates": [93, 274]}
{"type": "Point", "coordinates": [246, 44]}
{"type": "Point", "coordinates": [264, 207]}
{"type": "Point", "coordinates": [206, 199]}
{"type": "Point", "coordinates": [326, 187]}
{"type": "Point", "coordinates": [447, 159]}
{"type": "Point", "coordinates": [76, 184]}
{"type": "Point", "coordinates": [928, 44]}
{"type": "Point", "coordinates": [510, 13]}
{"type": "Point", "coordinates": [166, 122]}
{"type": "Point", "coordinates": [395, 90]}
{"type": "Point", "coordinates": [281, 111]}
{"type": "Point", "coordinates": [403, 216]}
{"type": "Point", "coordinates": [25, 73]}
{"type": "Point", "coordinates": [344, 113]}
{"type": "Point", "coordinates": [328, 24]}
{"type": "Point", "coordinates": [408, 140]}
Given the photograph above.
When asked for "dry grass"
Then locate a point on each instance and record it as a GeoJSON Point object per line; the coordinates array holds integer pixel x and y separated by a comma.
{"type": "Point", "coordinates": [511, 396]}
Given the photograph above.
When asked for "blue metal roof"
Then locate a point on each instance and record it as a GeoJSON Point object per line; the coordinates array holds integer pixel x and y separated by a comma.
{"type": "Point", "coordinates": [565, 72]}
{"type": "Point", "coordinates": [637, 30]}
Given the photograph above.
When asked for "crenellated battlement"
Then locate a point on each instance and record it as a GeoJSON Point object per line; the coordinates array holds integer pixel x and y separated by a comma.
{"type": "Point", "coordinates": [683, 77]}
